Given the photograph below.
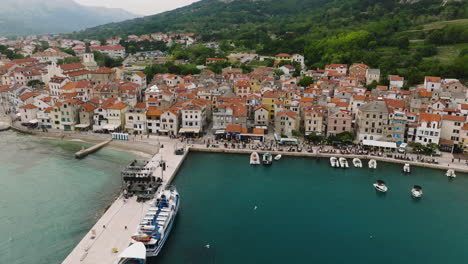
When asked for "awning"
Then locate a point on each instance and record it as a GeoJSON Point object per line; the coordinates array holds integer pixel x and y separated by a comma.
{"type": "Point", "coordinates": [380, 144]}
{"type": "Point", "coordinates": [34, 121]}
{"type": "Point", "coordinates": [189, 130]}
{"type": "Point", "coordinates": [220, 132]}
{"type": "Point", "coordinates": [135, 251]}
{"type": "Point", "coordinates": [110, 127]}
{"type": "Point", "coordinates": [82, 125]}
{"type": "Point", "coordinates": [163, 131]}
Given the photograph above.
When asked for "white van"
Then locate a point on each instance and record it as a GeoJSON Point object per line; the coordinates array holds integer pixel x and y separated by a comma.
{"type": "Point", "coordinates": [402, 147]}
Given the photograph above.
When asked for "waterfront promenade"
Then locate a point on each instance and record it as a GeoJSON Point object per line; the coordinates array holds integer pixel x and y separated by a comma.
{"type": "Point", "coordinates": [113, 230]}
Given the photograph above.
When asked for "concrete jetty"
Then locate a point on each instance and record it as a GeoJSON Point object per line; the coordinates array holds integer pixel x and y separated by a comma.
{"type": "Point", "coordinates": [85, 152]}
{"type": "Point", "coordinates": [112, 232]}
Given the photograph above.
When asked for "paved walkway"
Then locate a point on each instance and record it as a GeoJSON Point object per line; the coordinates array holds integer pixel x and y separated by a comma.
{"type": "Point", "coordinates": [110, 231]}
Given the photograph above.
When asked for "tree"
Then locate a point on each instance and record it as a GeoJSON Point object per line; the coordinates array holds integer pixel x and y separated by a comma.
{"type": "Point", "coordinates": [314, 138]}
{"type": "Point", "coordinates": [68, 60]}
{"type": "Point", "coordinates": [306, 81]}
{"type": "Point", "coordinates": [35, 84]}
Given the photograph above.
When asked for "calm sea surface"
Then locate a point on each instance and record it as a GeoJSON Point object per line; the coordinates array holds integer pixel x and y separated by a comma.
{"type": "Point", "coordinates": [307, 212]}
{"type": "Point", "coordinates": [49, 199]}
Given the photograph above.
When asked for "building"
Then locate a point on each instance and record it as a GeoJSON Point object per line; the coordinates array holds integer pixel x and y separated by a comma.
{"type": "Point", "coordinates": [396, 81]}
{"type": "Point", "coordinates": [261, 115]}
{"type": "Point", "coordinates": [428, 129]}
{"type": "Point", "coordinates": [286, 123]}
{"type": "Point", "coordinates": [229, 114]}
{"type": "Point", "coordinates": [135, 119]}
{"type": "Point", "coordinates": [358, 70]}
{"type": "Point", "coordinates": [140, 79]}
{"type": "Point", "coordinates": [432, 84]}
{"type": "Point", "coordinates": [153, 119]}
{"type": "Point", "coordinates": [338, 121]}
{"type": "Point", "coordinates": [170, 122]}
{"type": "Point", "coordinates": [372, 121]}
{"type": "Point", "coordinates": [194, 119]}
{"type": "Point", "coordinates": [113, 51]}
{"type": "Point", "coordinates": [372, 75]}
{"type": "Point", "coordinates": [451, 127]}
{"type": "Point", "coordinates": [313, 122]}
{"type": "Point", "coordinates": [28, 113]}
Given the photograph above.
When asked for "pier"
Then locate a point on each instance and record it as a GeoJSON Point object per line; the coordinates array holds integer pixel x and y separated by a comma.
{"type": "Point", "coordinates": [112, 232]}
{"type": "Point", "coordinates": [85, 152]}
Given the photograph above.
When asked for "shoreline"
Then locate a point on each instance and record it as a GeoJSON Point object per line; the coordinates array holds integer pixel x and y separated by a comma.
{"type": "Point", "coordinates": [328, 155]}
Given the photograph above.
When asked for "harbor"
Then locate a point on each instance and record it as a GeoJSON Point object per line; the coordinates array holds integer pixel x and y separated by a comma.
{"type": "Point", "coordinates": [112, 232]}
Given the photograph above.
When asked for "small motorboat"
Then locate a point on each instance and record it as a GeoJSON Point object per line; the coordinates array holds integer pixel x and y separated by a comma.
{"type": "Point", "coordinates": [254, 158]}
{"type": "Point", "coordinates": [416, 192]}
{"type": "Point", "coordinates": [357, 163]}
{"type": "Point", "coordinates": [406, 168]}
{"type": "Point", "coordinates": [334, 162]}
{"type": "Point", "coordinates": [278, 157]}
{"type": "Point", "coordinates": [134, 254]}
{"type": "Point", "coordinates": [380, 186]}
{"type": "Point", "coordinates": [451, 173]}
{"type": "Point", "coordinates": [267, 159]}
{"type": "Point", "coordinates": [343, 163]}
{"type": "Point", "coordinates": [372, 164]}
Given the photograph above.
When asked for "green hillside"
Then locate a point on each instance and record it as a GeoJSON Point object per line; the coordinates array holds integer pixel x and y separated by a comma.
{"type": "Point", "coordinates": [376, 32]}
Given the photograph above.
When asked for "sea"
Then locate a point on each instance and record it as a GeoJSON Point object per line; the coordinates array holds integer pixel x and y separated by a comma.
{"type": "Point", "coordinates": [48, 199]}
{"type": "Point", "coordinates": [299, 210]}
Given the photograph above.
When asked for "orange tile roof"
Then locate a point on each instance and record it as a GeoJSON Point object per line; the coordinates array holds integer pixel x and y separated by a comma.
{"type": "Point", "coordinates": [432, 79]}
{"type": "Point", "coordinates": [28, 106]}
{"type": "Point", "coordinates": [154, 111]}
{"type": "Point", "coordinates": [428, 118]}
{"type": "Point", "coordinates": [117, 106]}
{"type": "Point", "coordinates": [454, 118]}
{"type": "Point", "coordinates": [88, 107]}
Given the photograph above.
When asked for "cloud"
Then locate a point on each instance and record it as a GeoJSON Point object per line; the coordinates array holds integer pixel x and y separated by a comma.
{"type": "Point", "coordinates": [140, 7]}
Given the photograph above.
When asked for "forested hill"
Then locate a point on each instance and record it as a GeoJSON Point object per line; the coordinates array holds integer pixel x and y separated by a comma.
{"type": "Point", "coordinates": [376, 32]}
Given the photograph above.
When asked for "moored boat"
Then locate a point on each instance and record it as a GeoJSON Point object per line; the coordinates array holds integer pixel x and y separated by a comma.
{"type": "Point", "coordinates": [416, 192]}
{"type": "Point", "coordinates": [254, 158]}
{"type": "Point", "coordinates": [267, 159]}
{"type": "Point", "coordinates": [156, 225]}
{"type": "Point", "coordinates": [451, 173]}
{"type": "Point", "coordinates": [357, 163]}
{"type": "Point", "coordinates": [372, 164]}
{"type": "Point", "coordinates": [134, 254]}
{"type": "Point", "coordinates": [278, 157]}
{"type": "Point", "coordinates": [406, 168]}
{"type": "Point", "coordinates": [380, 186]}
{"type": "Point", "coordinates": [334, 162]}
{"type": "Point", "coordinates": [343, 163]}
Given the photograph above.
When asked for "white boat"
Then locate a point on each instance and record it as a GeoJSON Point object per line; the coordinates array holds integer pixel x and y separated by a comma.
{"type": "Point", "coordinates": [254, 158]}
{"type": "Point", "coordinates": [372, 164]}
{"type": "Point", "coordinates": [380, 186]}
{"type": "Point", "coordinates": [343, 163]}
{"type": "Point", "coordinates": [416, 192]}
{"type": "Point", "coordinates": [134, 254]}
{"type": "Point", "coordinates": [4, 126]}
{"type": "Point", "coordinates": [451, 173]}
{"type": "Point", "coordinates": [278, 157]}
{"type": "Point", "coordinates": [156, 225]}
{"type": "Point", "coordinates": [267, 159]}
{"type": "Point", "coordinates": [357, 163]}
{"type": "Point", "coordinates": [334, 162]}
{"type": "Point", "coordinates": [406, 168]}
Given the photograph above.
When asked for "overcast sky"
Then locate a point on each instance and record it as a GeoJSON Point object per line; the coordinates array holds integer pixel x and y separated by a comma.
{"type": "Point", "coordinates": [139, 7]}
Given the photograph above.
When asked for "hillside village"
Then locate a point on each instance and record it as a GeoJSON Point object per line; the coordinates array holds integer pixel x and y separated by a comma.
{"type": "Point", "coordinates": [284, 100]}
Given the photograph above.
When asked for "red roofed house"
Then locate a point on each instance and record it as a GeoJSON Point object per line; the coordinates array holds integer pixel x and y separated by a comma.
{"type": "Point", "coordinates": [113, 51]}
{"type": "Point", "coordinates": [396, 81]}
{"type": "Point", "coordinates": [261, 115]}
{"type": "Point", "coordinates": [313, 122]}
{"type": "Point", "coordinates": [229, 114]}
{"type": "Point", "coordinates": [86, 113]}
{"type": "Point", "coordinates": [170, 122]}
{"type": "Point", "coordinates": [140, 79]}
{"type": "Point", "coordinates": [432, 84]}
{"type": "Point", "coordinates": [28, 113]}
{"type": "Point", "coordinates": [338, 121]}
{"type": "Point", "coordinates": [340, 68]}
{"type": "Point", "coordinates": [428, 129]}
{"type": "Point", "coordinates": [135, 119]}
{"type": "Point", "coordinates": [358, 70]}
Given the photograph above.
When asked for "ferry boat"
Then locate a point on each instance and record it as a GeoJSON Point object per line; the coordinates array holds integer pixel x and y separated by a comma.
{"type": "Point", "coordinates": [254, 158]}
{"type": "Point", "coordinates": [158, 221]}
{"type": "Point", "coordinates": [267, 159]}
{"type": "Point", "coordinates": [134, 254]}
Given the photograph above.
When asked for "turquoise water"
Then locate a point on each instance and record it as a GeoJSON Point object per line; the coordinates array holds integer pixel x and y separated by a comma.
{"type": "Point", "coordinates": [308, 212]}
{"type": "Point", "coordinates": [48, 199]}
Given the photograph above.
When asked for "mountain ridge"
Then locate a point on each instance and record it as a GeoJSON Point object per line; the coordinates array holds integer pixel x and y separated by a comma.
{"type": "Point", "coordinates": [22, 17]}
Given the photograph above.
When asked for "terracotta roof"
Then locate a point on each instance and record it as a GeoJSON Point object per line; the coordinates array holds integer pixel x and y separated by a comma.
{"type": "Point", "coordinates": [429, 118]}
{"type": "Point", "coordinates": [454, 118]}
{"type": "Point", "coordinates": [153, 111]}
{"type": "Point", "coordinates": [72, 66]}
{"type": "Point", "coordinates": [109, 47]}
{"type": "Point", "coordinates": [88, 107]}
{"type": "Point", "coordinates": [465, 126]}
{"type": "Point", "coordinates": [432, 79]}
{"type": "Point", "coordinates": [290, 114]}
{"type": "Point", "coordinates": [283, 55]}
{"type": "Point", "coordinates": [236, 128]}
{"type": "Point", "coordinates": [104, 70]}
{"type": "Point", "coordinates": [140, 105]}
{"type": "Point", "coordinates": [28, 106]}
{"type": "Point", "coordinates": [117, 106]}
{"type": "Point", "coordinates": [142, 75]}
